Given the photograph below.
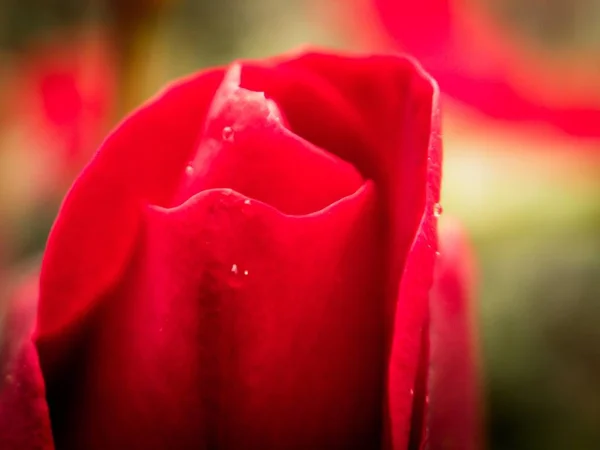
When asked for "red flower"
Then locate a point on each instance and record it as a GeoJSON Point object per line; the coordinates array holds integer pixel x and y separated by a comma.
{"type": "Point", "coordinates": [479, 62]}
{"type": "Point", "coordinates": [246, 263]}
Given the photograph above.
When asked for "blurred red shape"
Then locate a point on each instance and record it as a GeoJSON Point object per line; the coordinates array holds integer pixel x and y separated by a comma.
{"type": "Point", "coordinates": [63, 97]}
{"type": "Point", "coordinates": [477, 60]}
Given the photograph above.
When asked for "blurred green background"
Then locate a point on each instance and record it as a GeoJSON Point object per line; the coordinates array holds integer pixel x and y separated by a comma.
{"type": "Point", "coordinates": [528, 194]}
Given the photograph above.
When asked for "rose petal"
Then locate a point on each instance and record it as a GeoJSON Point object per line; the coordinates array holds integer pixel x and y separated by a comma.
{"type": "Point", "coordinates": [245, 147]}
{"type": "Point", "coordinates": [377, 112]}
{"type": "Point", "coordinates": [236, 327]}
{"type": "Point", "coordinates": [454, 418]}
{"type": "Point", "coordinates": [99, 220]}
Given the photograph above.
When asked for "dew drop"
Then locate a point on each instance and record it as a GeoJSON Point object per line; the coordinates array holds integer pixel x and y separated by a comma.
{"type": "Point", "coordinates": [437, 254]}
{"type": "Point", "coordinates": [245, 272]}
{"type": "Point", "coordinates": [437, 210]}
{"type": "Point", "coordinates": [247, 201]}
{"type": "Point", "coordinates": [234, 269]}
{"type": "Point", "coordinates": [189, 169]}
{"type": "Point", "coordinates": [227, 134]}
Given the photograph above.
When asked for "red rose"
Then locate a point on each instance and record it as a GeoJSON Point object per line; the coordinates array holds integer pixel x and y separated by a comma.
{"type": "Point", "coordinates": [246, 263]}
{"type": "Point", "coordinates": [479, 61]}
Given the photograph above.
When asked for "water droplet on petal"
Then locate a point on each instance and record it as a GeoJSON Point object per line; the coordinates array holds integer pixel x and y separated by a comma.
{"type": "Point", "coordinates": [234, 269]}
{"type": "Point", "coordinates": [227, 134]}
{"type": "Point", "coordinates": [247, 201]}
{"type": "Point", "coordinates": [189, 169]}
{"type": "Point", "coordinates": [437, 254]}
{"type": "Point", "coordinates": [245, 272]}
{"type": "Point", "coordinates": [437, 210]}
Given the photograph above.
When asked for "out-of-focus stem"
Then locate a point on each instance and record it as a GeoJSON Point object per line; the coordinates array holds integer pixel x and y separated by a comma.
{"type": "Point", "coordinates": [135, 25]}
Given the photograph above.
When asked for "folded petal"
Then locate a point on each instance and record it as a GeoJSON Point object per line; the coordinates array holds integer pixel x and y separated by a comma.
{"type": "Point", "coordinates": [95, 231]}
{"type": "Point", "coordinates": [455, 410]}
{"type": "Point", "coordinates": [246, 147]}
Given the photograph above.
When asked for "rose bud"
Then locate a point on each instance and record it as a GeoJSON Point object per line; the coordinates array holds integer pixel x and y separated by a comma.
{"type": "Point", "coordinates": [246, 264]}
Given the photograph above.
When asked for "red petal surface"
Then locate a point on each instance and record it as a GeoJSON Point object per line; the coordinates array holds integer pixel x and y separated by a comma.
{"type": "Point", "coordinates": [455, 415]}
{"type": "Point", "coordinates": [95, 231]}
